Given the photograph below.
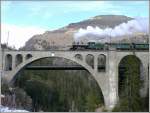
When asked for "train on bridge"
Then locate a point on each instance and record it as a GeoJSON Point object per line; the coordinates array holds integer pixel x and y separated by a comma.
{"type": "Point", "coordinates": [110, 46]}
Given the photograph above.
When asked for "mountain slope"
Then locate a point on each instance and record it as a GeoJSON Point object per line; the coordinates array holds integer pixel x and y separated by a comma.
{"type": "Point", "coordinates": [64, 36]}
{"type": "Point", "coordinates": [101, 21]}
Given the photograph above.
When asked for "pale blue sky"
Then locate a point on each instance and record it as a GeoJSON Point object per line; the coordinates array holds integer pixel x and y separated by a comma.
{"type": "Point", "coordinates": [55, 14]}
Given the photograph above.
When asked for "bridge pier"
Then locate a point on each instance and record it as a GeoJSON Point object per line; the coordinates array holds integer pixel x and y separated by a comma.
{"type": "Point", "coordinates": [108, 81]}
{"type": "Point", "coordinates": [13, 62]}
{"type": "Point", "coordinates": [109, 95]}
{"type": "Point", "coordinates": [95, 64]}
{"type": "Point", "coordinates": [113, 78]}
{"type": "Point", "coordinates": [144, 72]}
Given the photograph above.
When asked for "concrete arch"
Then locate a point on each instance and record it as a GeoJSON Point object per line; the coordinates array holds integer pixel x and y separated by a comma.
{"type": "Point", "coordinates": [142, 56]}
{"type": "Point", "coordinates": [143, 74]}
{"type": "Point", "coordinates": [126, 57]}
{"type": "Point", "coordinates": [18, 59]}
{"type": "Point", "coordinates": [90, 60]}
{"type": "Point", "coordinates": [130, 55]}
{"type": "Point", "coordinates": [101, 60]}
{"type": "Point", "coordinates": [28, 56]}
{"type": "Point", "coordinates": [79, 56]}
{"type": "Point", "coordinates": [11, 76]}
{"type": "Point", "coordinates": [8, 62]}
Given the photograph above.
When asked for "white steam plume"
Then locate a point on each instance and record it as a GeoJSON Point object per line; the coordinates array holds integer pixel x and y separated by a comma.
{"type": "Point", "coordinates": [132, 26]}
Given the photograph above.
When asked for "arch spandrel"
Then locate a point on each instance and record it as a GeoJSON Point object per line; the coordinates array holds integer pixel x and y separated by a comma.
{"type": "Point", "coordinates": [18, 59]}
{"type": "Point", "coordinates": [101, 61]}
{"type": "Point", "coordinates": [8, 62]}
{"type": "Point", "coordinates": [28, 56]}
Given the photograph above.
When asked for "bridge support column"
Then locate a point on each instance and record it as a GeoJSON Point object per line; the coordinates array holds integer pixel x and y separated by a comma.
{"type": "Point", "coordinates": [112, 79]}
{"type": "Point", "coordinates": [103, 82]}
{"type": "Point", "coordinates": [109, 81]}
{"type": "Point", "coordinates": [144, 72]}
{"type": "Point", "coordinates": [24, 58]}
{"type": "Point", "coordinates": [13, 62]}
{"type": "Point", "coordinates": [95, 64]}
{"type": "Point", "coordinates": [84, 58]}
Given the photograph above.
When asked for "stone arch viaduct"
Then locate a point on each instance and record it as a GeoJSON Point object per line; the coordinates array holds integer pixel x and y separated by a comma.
{"type": "Point", "coordinates": [11, 62]}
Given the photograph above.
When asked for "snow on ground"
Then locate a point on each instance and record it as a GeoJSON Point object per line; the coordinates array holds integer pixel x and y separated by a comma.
{"type": "Point", "coordinates": [7, 109]}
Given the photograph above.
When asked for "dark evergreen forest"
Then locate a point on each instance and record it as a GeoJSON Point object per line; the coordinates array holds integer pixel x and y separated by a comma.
{"type": "Point", "coordinates": [130, 84]}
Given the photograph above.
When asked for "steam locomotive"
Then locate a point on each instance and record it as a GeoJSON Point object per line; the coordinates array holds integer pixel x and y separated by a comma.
{"type": "Point", "coordinates": [109, 46]}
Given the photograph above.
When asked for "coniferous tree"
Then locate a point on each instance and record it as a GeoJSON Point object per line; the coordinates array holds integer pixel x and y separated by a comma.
{"type": "Point", "coordinates": [130, 99]}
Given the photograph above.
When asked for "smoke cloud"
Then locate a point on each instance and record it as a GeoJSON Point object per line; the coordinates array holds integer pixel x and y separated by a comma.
{"type": "Point", "coordinates": [96, 33]}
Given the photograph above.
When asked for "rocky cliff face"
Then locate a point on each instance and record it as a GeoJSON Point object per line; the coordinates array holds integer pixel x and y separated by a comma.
{"type": "Point", "coordinates": [64, 36]}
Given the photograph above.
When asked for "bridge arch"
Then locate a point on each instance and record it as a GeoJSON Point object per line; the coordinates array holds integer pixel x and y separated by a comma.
{"type": "Point", "coordinates": [8, 62]}
{"type": "Point", "coordinates": [28, 56]}
{"type": "Point", "coordinates": [136, 57]}
{"type": "Point", "coordinates": [90, 60]}
{"type": "Point", "coordinates": [142, 75]}
{"type": "Point", "coordinates": [79, 56]}
{"type": "Point", "coordinates": [18, 59]}
{"type": "Point", "coordinates": [101, 62]}
{"type": "Point", "coordinates": [36, 58]}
